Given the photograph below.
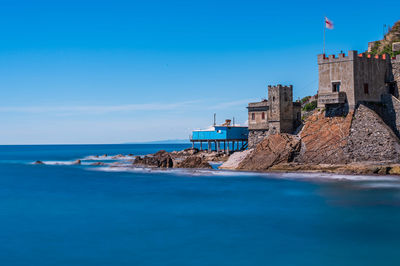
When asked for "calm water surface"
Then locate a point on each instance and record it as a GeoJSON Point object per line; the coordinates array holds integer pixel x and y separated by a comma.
{"type": "Point", "coordinates": [85, 215]}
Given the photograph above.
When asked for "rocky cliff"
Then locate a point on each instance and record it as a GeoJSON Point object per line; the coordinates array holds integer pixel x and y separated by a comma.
{"type": "Point", "coordinates": [361, 137]}
{"type": "Point", "coordinates": [385, 45]}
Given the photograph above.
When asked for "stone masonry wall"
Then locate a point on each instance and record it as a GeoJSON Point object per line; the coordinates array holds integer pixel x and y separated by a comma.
{"type": "Point", "coordinates": [371, 139]}
{"type": "Point", "coordinates": [391, 112]}
{"type": "Point", "coordinates": [396, 70]}
{"type": "Point", "coordinates": [256, 136]}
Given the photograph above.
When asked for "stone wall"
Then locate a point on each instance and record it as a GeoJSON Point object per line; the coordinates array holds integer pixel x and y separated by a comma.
{"type": "Point", "coordinates": [371, 139]}
{"type": "Point", "coordinates": [361, 77]}
{"type": "Point", "coordinates": [341, 69]}
{"type": "Point", "coordinates": [280, 114]}
{"type": "Point", "coordinates": [373, 72]}
{"type": "Point", "coordinates": [396, 72]}
{"type": "Point", "coordinates": [258, 115]}
{"type": "Point", "coordinates": [256, 136]}
{"type": "Point", "coordinates": [390, 112]}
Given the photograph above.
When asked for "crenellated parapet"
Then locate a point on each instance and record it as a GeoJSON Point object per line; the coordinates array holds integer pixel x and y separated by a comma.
{"type": "Point", "coordinates": [280, 87]}
{"type": "Point", "coordinates": [351, 56]}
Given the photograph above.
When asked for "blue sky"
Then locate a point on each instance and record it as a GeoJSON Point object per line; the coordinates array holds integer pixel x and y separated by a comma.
{"type": "Point", "coordinates": [127, 71]}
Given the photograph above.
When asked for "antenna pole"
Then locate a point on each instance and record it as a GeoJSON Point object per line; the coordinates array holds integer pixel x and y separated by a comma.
{"type": "Point", "coordinates": [215, 117]}
{"type": "Point", "coordinates": [384, 30]}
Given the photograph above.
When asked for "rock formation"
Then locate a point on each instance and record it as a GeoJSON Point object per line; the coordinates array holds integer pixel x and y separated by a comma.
{"type": "Point", "coordinates": [193, 162]}
{"type": "Point", "coordinates": [370, 139]}
{"type": "Point", "coordinates": [323, 139]}
{"type": "Point", "coordinates": [159, 159]}
{"type": "Point", "coordinates": [275, 149]}
{"type": "Point", "coordinates": [360, 142]}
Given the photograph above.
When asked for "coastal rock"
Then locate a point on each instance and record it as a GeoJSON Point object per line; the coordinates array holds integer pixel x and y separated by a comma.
{"type": "Point", "coordinates": [235, 159]}
{"type": "Point", "coordinates": [159, 159]}
{"type": "Point", "coordinates": [119, 156]}
{"type": "Point", "coordinates": [97, 164]}
{"type": "Point", "coordinates": [275, 149]}
{"type": "Point", "coordinates": [395, 170]}
{"type": "Point", "coordinates": [77, 162]}
{"type": "Point", "coordinates": [324, 138]}
{"type": "Point", "coordinates": [194, 162]}
{"type": "Point", "coordinates": [38, 162]}
{"type": "Point", "coordinates": [358, 143]}
{"type": "Point", "coordinates": [191, 151]}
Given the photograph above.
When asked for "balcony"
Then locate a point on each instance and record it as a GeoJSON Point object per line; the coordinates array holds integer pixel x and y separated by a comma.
{"type": "Point", "coordinates": [331, 98]}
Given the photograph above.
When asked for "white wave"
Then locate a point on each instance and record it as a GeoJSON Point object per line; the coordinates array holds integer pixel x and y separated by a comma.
{"type": "Point", "coordinates": [64, 163]}
{"type": "Point", "coordinates": [374, 185]}
{"type": "Point", "coordinates": [328, 176]}
{"type": "Point", "coordinates": [108, 158]}
{"type": "Point", "coordinates": [227, 173]}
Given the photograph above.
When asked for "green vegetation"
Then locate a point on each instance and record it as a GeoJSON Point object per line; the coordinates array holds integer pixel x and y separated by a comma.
{"type": "Point", "coordinates": [384, 46]}
{"type": "Point", "coordinates": [387, 49]}
{"type": "Point", "coordinates": [305, 99]}
{"type": "Point", "coordinates": [375, 47]}
{"type": "Point", "coordinates": [310, 106]}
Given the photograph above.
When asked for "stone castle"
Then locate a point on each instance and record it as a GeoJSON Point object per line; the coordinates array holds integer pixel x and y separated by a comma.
{"type": "Point", "coordinates": [278, 114]}
{"type": "Point", "coordinates": [345, 82]}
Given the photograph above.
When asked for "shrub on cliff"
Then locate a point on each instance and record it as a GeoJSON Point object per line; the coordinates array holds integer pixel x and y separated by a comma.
{"type": "Point", "coordinates": [305, 99]}
{"type": "Point", "coordinates": [310, 106]}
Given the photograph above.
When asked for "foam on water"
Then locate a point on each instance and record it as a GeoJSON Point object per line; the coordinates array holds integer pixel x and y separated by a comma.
{"type": "Point", "coordinates": [108, 158]}
{"type": "Point", "coordinates": [63, 163]}
{"type": "Point", "coordinates": [213, 172]}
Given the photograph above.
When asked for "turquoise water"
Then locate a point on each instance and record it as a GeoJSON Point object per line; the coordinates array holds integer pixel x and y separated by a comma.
{"type": "Point", "coordinates": [85, 215]}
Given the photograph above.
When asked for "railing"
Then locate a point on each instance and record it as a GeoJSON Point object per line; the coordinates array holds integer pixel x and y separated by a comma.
{"type": "Point", "coordinates": [331, 98]}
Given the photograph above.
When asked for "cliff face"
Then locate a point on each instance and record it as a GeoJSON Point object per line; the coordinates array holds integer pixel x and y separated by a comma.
{"type": "Point", "coordinates": [371, 139]}
{"type": "Point", "coordinates": [361, 136]}
{"type": "Point", "coordinates": [324, 138]}
{"type": "Point", "coordinates": [385, 45]}
{"type": "Point", "coordinates": [275, 149]}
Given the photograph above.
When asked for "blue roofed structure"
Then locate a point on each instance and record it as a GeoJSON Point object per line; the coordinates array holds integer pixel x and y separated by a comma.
{"type": "Point", "coordinates": [222, 134]}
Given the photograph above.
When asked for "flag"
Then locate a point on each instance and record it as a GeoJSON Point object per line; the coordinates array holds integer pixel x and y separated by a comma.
{"type": "Point", "coordinates": [328, 24]}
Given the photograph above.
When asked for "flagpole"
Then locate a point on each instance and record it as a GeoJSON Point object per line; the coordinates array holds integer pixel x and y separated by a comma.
{"type": "Point", "coordinates": [324, 35]}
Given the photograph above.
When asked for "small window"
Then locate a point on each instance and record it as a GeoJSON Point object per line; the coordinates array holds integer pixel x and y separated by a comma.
{"type": "Point", "coordinates": [263, 116]}
{"type": "Point", "coordinates": [366, 90]}
{"type": "Point", "coordinates": [273, 98]}
{"type": "Point", "coordinates": [253, 116]}
{"type": "Point", "coordinates": [335, 86]}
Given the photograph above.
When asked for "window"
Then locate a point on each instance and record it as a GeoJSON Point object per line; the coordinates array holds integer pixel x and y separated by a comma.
{"type": "Point", "coordinates": [335, 86]}
{"type": "Point", "coordinates": [253, 116]}
{"type": "Point", "coordinates": [273, 98]}
{"type": "Point", "coordinates": [366, 90]}
{"type": "Point", "coordinates": [263, 116]}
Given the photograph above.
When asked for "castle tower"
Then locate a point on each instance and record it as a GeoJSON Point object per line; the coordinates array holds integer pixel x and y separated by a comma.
{"type": "Point", "coordinates": [280, 113]}
{"type": "Point", "coordinates": [345, 81]}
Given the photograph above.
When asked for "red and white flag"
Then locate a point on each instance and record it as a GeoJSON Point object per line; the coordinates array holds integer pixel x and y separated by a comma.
{"type": "Point", "coordinates": [328, 24]}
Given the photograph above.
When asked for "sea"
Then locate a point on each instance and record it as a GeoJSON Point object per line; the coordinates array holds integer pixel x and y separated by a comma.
{"type": "Point", "coordinates": [64, 214]}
